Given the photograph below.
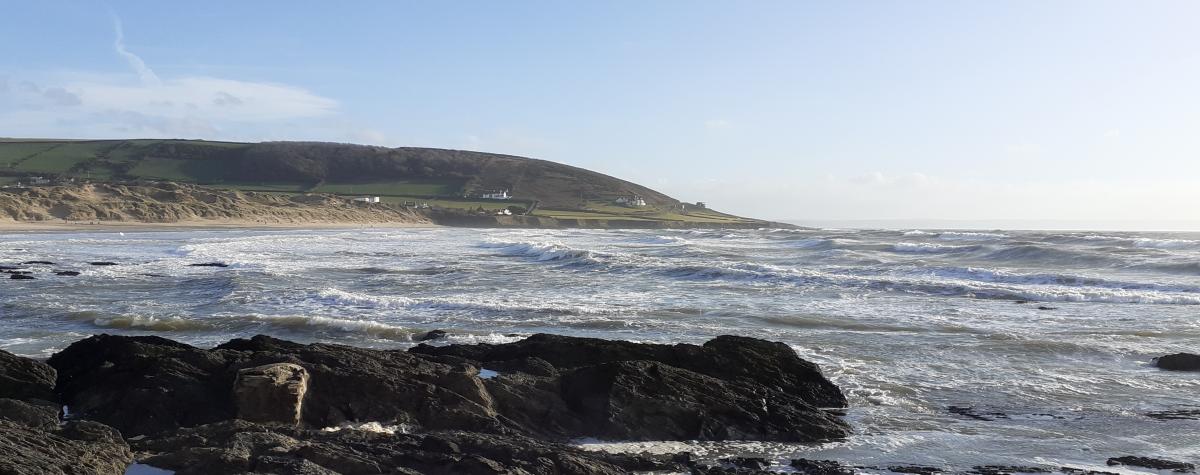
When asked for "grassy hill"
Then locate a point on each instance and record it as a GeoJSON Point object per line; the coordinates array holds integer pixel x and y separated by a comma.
{"type": "Point", "coordinates": [448, 179]}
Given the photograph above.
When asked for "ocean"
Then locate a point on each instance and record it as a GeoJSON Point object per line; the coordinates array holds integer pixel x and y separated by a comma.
{"type": "Point", "coordinates": [955, 348]}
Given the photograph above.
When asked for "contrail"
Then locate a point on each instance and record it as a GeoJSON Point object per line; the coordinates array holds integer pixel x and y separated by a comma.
{"type": "Point", "coordinates": [144, 72]}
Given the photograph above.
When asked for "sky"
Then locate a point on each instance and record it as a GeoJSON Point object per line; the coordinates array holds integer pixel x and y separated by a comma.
{"type": "Point", "coordinates": [1033, 111]}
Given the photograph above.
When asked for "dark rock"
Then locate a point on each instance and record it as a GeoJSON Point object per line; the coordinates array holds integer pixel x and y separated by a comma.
{"type": "Point", "coordinates": [432, 335]}
{"type": "Point", "coordinates": [23, 378]}
{"type": "Point", "coordinates": [35, 414]}
{"type": "Point", "coordinates": [209, 264]}
{"type": "Point", "coordinates": [238, 446]}
{"type": "Point", "coordinates": [67, 273]}
{"type": "Point", "coordinates": [1175, 415]}
{"type": "Point", "coordinates": [1044, 307]}
{"type": "Point", "coordinates": [41, 263]}
{"type": "Point", "coordinates": [103, 263]}
{"type": "Point", "coordinates": [147, 385]}
{"type": "Point", "coordinates": [763, 363]}
{"type": "Point", "coordinates": [973, 413]}
{"type": "Point", "coordinates": [646, 400]}
{"type": "Point", "coordinates": [21, 277]}
{"type": "Point", "coordinates": [1178, 362]}
{"type": "Point", "coordinates": [1157, 464]}
{"type": "Point", "coordinates": [1082, 471]}
{"type": "Point", "coordinates": [917, 469]}
{"type": "Point", "coordinates": [1008, 469]}
{"type": "Point", "coordinates": [143, 384]}
{"type": "Point", "coordinates": [820, 467]}
{"type": "Point", "coordinates": [8, 268]}
{"type": "Point", "coordinates": [756, 463]}
{"type": "Point", "coordinates": [32, 443]}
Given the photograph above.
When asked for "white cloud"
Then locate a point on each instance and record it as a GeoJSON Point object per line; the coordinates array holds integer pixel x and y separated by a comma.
{"type": "Point", "coordinates": [83, 104]}
{"type": "Point", "coordinates": [717, 124]}
{"type": "Point", "coordinates": [144, 72]}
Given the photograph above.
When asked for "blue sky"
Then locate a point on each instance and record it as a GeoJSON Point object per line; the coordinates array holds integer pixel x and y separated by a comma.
{"type": "Point", "coordinates": [1032, 110]}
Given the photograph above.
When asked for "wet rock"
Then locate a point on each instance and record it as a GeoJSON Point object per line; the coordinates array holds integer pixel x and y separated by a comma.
{"type": "Point", "coordinates": [67, 273]}
{"type": "Point", "coordinates": [762, 363]}
{"type": "Point", "coordinates": [1178, 362]}
{"type": "Point", "coordinates": [1044, 307]}
{"type": "Point", "coordinates": [271, 393]}
{"type": "Point", "coordinates": [32, 443]}
{"type": "Point", "coordinates": [148, 385]}
{"type": "Point", "coordinates": [239, 446]}
{"type": "Point", "coordinates": [143, 384]}
{"type": "Point", "coordinates": [432, 335]}
{"type": "Point", "coordinates": [103, 263]}
{"type": "Point", "coordinates": [209, 264]}
{"type": "Point", "coordinates": [21, 277]}
{"type": "Point", "coordinates": [756, 463]}
{"type": "Point", "coordinates": [820, 467]}
{"type": "Point", "coordinates": [646, 400]}
{"type": "Point", "coordinates": [1175, 415]}
{"type": "Point", "coordinates": [916, 469]}
{"type": "Point", "coordinates": [976, 414]}
{"type": "Point", "coordinates": [1083, 471]}
{"type": "Point", "coordinates": [23, 378]}
{"type": "Point", "coordinates": [38, 263]}
{"type": "Point", "coordinates": [1008, 469]}
{"type": "Point", "coordinates": [1154, 463]}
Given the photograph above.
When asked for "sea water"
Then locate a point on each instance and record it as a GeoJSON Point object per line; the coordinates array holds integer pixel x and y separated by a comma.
{"type": "Point", "coordinates": [955, 348]}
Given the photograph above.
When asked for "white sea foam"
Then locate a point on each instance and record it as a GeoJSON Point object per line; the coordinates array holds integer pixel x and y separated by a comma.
{"type": "Point", "coordinates": [375, 427]}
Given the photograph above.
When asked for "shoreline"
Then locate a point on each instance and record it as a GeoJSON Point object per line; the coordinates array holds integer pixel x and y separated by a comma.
{"type": "Point", "coordinates": [25, 227]}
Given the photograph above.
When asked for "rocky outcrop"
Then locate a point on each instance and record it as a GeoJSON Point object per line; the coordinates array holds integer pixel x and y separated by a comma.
{"type": "Point", "coordinates": [239, 447]}
{"type": "Point", "coordinates": [1178, 362]}
{"type": "Point", "coordinates": [23, 378]}
{"type": "Point", "coordinates": [271, 393]}
{"type": "Point", "coordinates": [77, 448]}
{"type": "Point", "coordinates": [553, 388]}
{"type": "Point", "coordinates": [737, 359]}
{"type": "Point", "coordinates": [1149, 462]}
{"type": "Point", "coordinates": [33, 440]}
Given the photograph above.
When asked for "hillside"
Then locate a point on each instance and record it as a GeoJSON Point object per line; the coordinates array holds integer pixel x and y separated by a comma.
{"type": "Point", "coordinates": [446, 180]}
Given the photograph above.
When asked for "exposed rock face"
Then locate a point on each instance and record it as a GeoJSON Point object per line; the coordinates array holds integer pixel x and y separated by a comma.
{"type": "Point", "coordinates": [239, 447]}
{"type": "Point", "coordinates": [551, 389]}
{"type": "Point", "coordinates": [23, 378]}
{"type": "Point", "coordinates": [1148, 462]}
{"type": "Point", "coordinates": [271, 393]}
{"type": "Point", "coordinates": [1179, 362]}
{"type": "Point", "coordinates": [731, 358]}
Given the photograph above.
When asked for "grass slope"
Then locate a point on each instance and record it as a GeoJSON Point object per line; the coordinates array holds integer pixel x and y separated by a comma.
{"type": "Point", "coordinates": [445, 178]}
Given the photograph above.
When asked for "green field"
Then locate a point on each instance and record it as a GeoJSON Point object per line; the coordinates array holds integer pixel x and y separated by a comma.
{"type": "Point", "coordinates": [394, 188]}
{"type": "Point", "coordinates": [437, 177]}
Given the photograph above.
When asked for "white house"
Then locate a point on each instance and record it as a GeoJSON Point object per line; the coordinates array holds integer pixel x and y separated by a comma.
{"type": "Point", "coordinates": [632, 200]}
{"type": "Point", "coordinates": [495, 195]}
{"type": "Point", "coordinates": [366, 199]}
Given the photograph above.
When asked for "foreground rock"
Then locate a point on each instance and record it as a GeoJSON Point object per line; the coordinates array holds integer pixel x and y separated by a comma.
{"type": "Point", "coordinates": [1178, 362]}
{"type": "Point", "coordinates": [23, 378]}
{"type": "Point", "coordinates": [240, 447]}
{"type": "Point", "coordinates": [32, 440]}
{"type": "Point", "coordinates": [1157, 464]}
{"type": "Point", "coordinates": [547, 387]}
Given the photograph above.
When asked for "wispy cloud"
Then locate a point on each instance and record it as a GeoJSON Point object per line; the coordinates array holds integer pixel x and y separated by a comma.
{"type": "Point", "coordinates": [144, 72]}
{"type": "Point", "coordinates": [87, 104]}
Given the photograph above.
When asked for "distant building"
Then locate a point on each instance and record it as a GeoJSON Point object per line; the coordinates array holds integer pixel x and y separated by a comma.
{"type": "Point", "coordinates": [37, 181]}
{"type": "Point", "coordinates": [495, 195]}
{"type": "Point", "coordinates": [366, 199]}
{"type": "Point", "coordinates": [632, 200]}
{"type": "Point", "coordinates": [701, 205]}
